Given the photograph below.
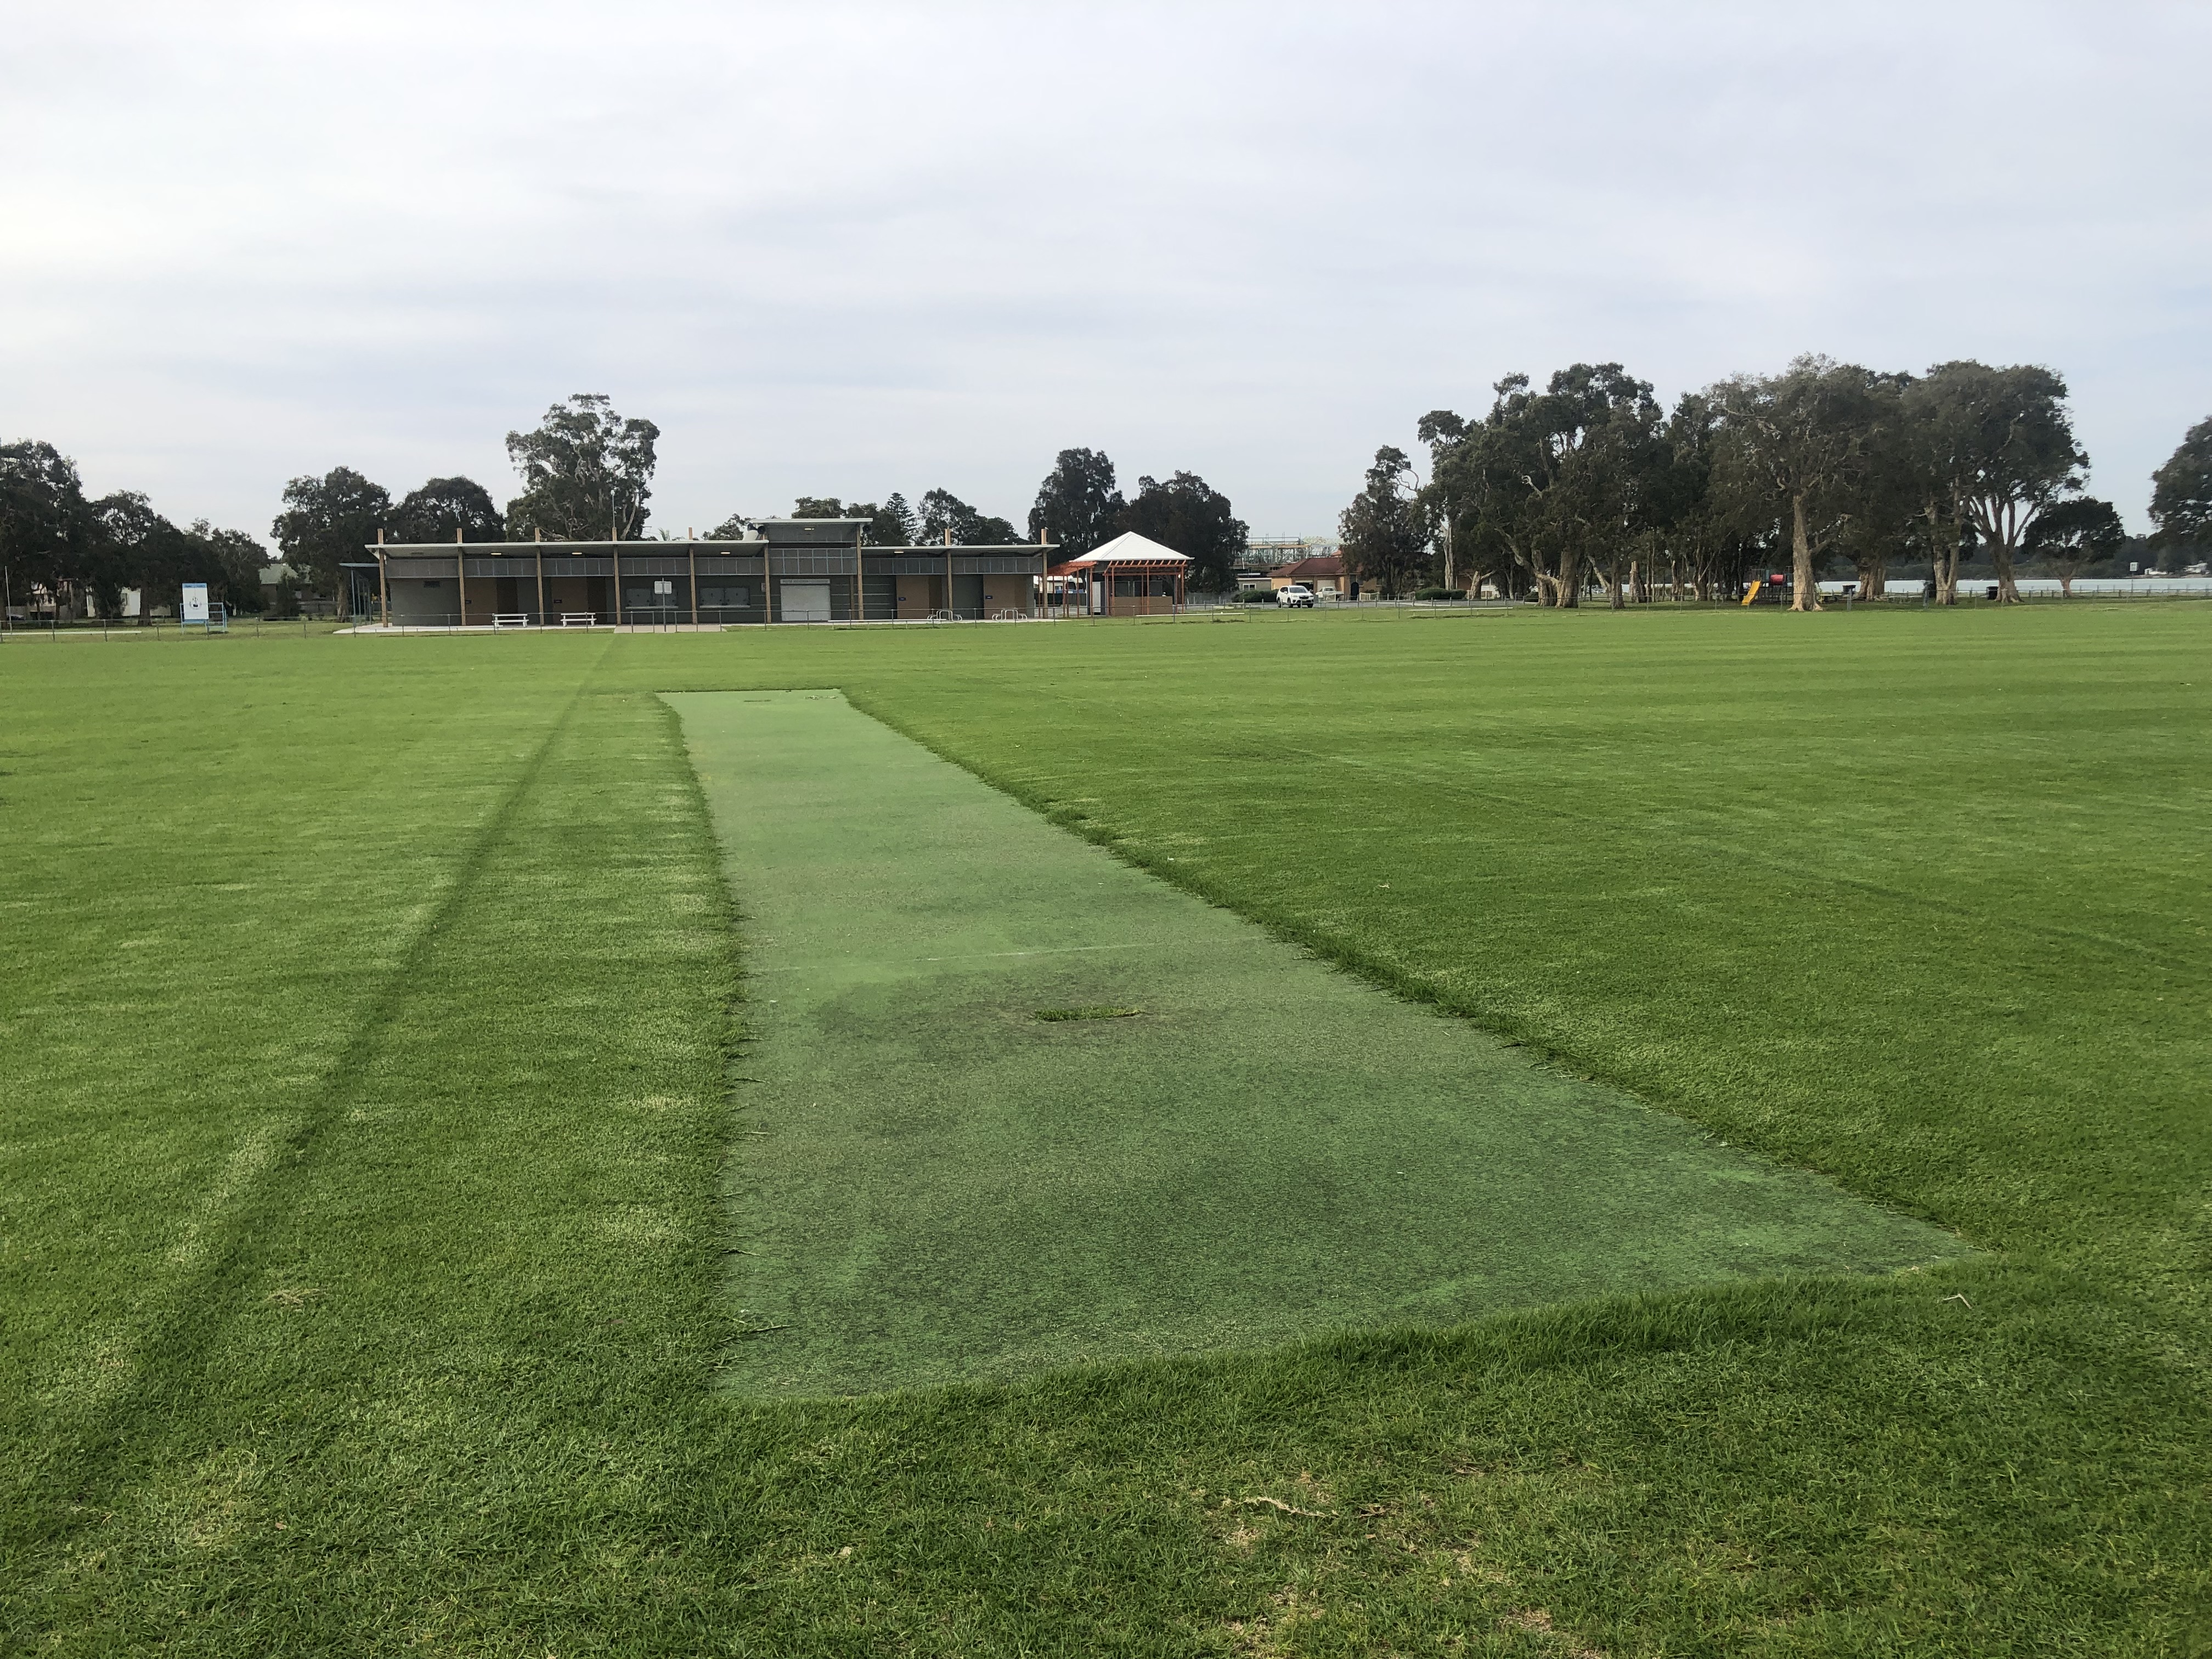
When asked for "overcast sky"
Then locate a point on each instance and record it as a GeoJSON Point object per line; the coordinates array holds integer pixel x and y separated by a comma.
{"type": "Point", "coordinates": [849, 249]}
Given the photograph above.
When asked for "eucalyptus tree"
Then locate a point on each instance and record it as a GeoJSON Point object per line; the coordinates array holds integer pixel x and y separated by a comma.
{"type": "Point", "coordinates": [1487, 480]}
{"type": "Point", "coordinates": [1385, 538]}
{"type": "Point", "coordinates": [1079, 506]}
{"type": "Point", "coordinates": [1707, 528]}
{"type": "Point", "coordinates": [586, 473]}
{"type": "Point", "coordinates": [1551, 482]}
{"type": "Point", "coordinates": [2073, 535]}
{"type": "Point", "coordinates": [2181, 491]}
{"type": "Point", "coordinates": [1800, 437]}
{"type": "Point", "coordinates": [1610, 491]}
{"type": "Point", "coordinates": [2013, 453]}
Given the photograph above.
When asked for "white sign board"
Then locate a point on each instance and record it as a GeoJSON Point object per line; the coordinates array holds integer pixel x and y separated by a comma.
{"type": "Point", "coordinates": [195, 602]}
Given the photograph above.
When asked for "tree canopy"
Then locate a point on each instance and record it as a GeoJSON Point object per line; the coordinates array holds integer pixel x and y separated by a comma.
{"type": "Point", "coordinates": [1801, 438]}
{"type": "Point", "coordinates": [891, 525]}
{"type": "Point", "coordinates": [44, 526]}
{"type": "Point", "coordinates": [2075, 535]}
{"type": "Point", "coordinates": [1385, 542]}
{"type": "Point", "coordinates": [2010, 441]}
{"type": "Point", "coordinates": [444, 507]}
{"type": "Point", "coordinates": [1548, 481]}
{"type": "Point", "coordinates": [329, 520]}
{"type": "Point", "coordinates": [1823, 460]}
{"type": "Point", "coordinates": [1079, 506]}
{"type": "Point", "coordinates": [1197, 521]}
{"type": "Point", "coordinates": [51, 535]}
{"type": "Point", "coordinates": [586, 473]}
{"type": "Point", "coordinates": [942, 512]}
{"type": "Point", "coordinates": [2181, 491]}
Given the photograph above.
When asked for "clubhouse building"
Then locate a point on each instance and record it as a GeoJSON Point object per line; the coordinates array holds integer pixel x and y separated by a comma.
{"type": "Point", "coordinates": [781, 570]}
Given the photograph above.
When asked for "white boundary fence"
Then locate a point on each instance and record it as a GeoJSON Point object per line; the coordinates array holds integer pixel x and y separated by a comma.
{"type": "Point", "coordinates": [2102, 587]}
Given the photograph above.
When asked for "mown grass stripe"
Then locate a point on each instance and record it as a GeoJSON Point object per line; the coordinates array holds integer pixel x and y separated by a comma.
{"type": "Point", "coordinates": [178, 1316]}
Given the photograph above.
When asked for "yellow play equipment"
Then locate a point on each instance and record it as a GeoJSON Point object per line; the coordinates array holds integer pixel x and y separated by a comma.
{"type": "Point", "coordinates": [1751, 590]}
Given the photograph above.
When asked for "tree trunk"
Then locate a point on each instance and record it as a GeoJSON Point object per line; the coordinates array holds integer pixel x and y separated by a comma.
{"type": "Point", "coordinates": [1873, 575]}
{"type": "Point", "coordinates": [1806, 596]}
{"type": "Point", "coordinates": [2065, 584]}
{"type": "Point", "coordinates": [1571, 580]}
{"type": "Point", "coordinates": [1944, 556]}
{"type": "Point", "coordinates": [2001, 556]}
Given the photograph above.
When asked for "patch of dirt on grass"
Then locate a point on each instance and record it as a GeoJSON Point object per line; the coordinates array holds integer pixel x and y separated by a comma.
{"type": "Point", "coordinates": [1265, 1634]}
{"type": "Point", "coordinates": [1535, 1621]}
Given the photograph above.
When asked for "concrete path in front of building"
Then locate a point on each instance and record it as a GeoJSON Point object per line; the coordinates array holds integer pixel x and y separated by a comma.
{"type": "Point", "coordinates": [935, 1184]}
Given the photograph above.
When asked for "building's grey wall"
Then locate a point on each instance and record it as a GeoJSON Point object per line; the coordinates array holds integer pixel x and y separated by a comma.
{"type": "Point", "coordinates": [417, 603]}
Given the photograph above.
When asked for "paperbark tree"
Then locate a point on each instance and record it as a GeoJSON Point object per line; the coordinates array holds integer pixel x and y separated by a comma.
{"type": "Point", "coordinates": [1932, 441]}
{"type": "Point", "coordinates": [586, 473]}
{"type": "Point", "coordinates": [2014, 453]}
{"type": "Point", "coordinates": [1079, 506]}
{"type": "Point", "coordinates": [1886, 520]}
{"type": "Point", "coordinates": [1802, 436]}
{"type": "Point", "coordinates": [2075, 535]}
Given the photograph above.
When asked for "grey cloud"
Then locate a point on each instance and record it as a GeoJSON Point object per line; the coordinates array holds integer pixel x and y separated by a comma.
{"type": "Point", "coordinates": [852, 249]}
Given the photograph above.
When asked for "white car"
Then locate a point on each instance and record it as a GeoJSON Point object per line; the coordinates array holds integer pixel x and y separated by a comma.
{"type": "Point", "coordinates": [1296, 593]}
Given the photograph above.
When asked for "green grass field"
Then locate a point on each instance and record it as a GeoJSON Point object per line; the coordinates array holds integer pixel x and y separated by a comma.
{"type": "Point", "coordinates": [374, 1021]}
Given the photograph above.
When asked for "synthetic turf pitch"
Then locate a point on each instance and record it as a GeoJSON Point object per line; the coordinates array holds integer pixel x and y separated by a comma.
{"type": "Point", "coordinates": [1012, 1104]}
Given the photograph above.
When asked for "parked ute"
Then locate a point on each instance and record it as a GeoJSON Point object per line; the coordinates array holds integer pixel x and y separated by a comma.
{"type": "Point", "coordinates": [1296, 593]}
